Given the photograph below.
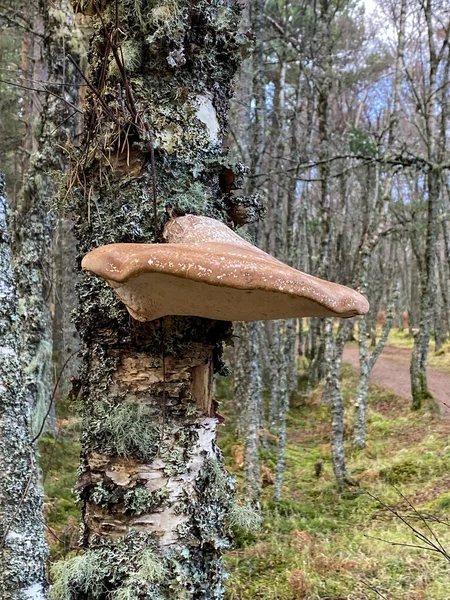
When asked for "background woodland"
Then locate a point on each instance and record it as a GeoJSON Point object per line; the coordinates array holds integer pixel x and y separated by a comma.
{"type": "Point", "coordinates": [339, 132]}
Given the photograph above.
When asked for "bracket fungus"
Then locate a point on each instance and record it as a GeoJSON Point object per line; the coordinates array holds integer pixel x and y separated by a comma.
{"type": "Point", "coordinates": [206, 270]}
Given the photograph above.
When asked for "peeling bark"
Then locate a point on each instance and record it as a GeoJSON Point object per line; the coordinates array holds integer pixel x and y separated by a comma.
{"type": "Point", "coordinates": [151, 480]}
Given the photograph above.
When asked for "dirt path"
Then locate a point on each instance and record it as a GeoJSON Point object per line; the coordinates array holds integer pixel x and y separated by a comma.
{"type": "Point", "coordinates": [391, 371]}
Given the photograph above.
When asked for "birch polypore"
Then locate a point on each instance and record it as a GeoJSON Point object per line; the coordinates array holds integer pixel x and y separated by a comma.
{"type": "Point", "coordinates": [207, 270]}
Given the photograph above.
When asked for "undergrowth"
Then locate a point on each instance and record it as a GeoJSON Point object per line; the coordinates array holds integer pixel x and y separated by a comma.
{"type": "Point", "coordinates": [437, 359]}
{"type": "Point", "coordinates": [317, 544]}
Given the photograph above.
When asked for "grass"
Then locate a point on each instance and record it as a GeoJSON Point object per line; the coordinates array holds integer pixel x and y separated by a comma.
{"type": "Point", "coordinates": [438, 360]}
{"type": "Point", "coordinates": [59, 458]}
{"type": "Point", "coordinates": [317, 544]}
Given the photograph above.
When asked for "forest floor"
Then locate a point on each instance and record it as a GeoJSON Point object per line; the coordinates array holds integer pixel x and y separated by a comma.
{"type": "Point", "coordinates": [317, 543]}
{"type": "Point", "coordinates": [391, 371]}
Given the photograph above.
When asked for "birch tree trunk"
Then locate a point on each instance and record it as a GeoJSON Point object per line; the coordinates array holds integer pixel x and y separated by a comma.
{"type": "Point", "coordinates": [367, 361]}
{"type": "Point", "coordinates": [333, 355]}
{"type": "Point", "coordinates": [283, 410]}
{"type": "Point", "coordinates": [157, 503]}
{"type": "Point", "coordinates": [247, 375]}
{"type": "Point", "coordinates": [252, 416]}
{"type": "Point", "coordinates": [435, 145]}
{"type": "Point", "coordinates": [240, 374]}
{"type": "Point", "coordinates": [65, 336]}
{"type": "Point", "coordinates": [23, 550]}
{"type": "Point", "coordinates": [35, 217]}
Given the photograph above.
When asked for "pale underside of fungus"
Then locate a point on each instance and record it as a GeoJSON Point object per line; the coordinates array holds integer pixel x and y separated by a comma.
{"type": "Point", "coordinates": [206, 270]}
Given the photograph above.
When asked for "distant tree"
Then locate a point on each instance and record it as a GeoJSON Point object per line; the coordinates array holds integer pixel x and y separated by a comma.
{"type": "Point", "coordinates": [428, 80]}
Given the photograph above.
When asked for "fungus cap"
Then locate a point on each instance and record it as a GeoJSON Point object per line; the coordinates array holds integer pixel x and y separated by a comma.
{"type": "Point", "coordinates": [207, 270]}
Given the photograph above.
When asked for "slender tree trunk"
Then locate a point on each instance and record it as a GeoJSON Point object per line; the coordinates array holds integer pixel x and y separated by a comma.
{"type": "Point", "coordinates": [283, 410]}
{"type": "Point", "coordinates": [240, 374]}
{"type": "Point", "coordinates": [259, 93]}
{"type": "Point", "coordinates": [438, 329]}
{"type": "Point", "coordinates": [324, 84]}
{"type": "Point", "coordinates": [250, 385]}
{"type": "Point", "coordinates": [419, 386]}
{"type": "Point", "coordinates": [65, 336]}
{"type": "Point", "coordinates": [367, 361]}
{"type": "Point", "coordinates": [252, 417]}
{"type": "Point", "coordinates": [333, 355]}
{"type": "Point", "coordinates": [274, 343]}
{"type": "Point", "coordinates": [23, 550]}
{"type": "Point", "coordinates": [443, 286]}
{"type": "Point", "coordinates": [157, 503]}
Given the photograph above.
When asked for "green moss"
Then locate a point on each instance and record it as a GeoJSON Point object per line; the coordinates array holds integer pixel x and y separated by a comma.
{"type": "Point", "coordinates": [59, 459]}
{"type": "Point", "coordinates": [414, 470]}
{"type": "Point", "coordinates": [423, 396]}
{"type": "Point", "coordinates": [444, 502]}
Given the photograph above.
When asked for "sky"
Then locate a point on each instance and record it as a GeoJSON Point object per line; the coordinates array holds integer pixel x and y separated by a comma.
{"type": "Point", "coordinates": [370, 5]}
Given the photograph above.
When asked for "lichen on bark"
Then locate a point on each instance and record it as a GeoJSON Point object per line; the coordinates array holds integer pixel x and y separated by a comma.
{"type": "Point", "coordinates": [151, 476]}
{"type": "Point", "coordinates": [23, 550]}
{"type": "Point", "coordinates": [35, 216]}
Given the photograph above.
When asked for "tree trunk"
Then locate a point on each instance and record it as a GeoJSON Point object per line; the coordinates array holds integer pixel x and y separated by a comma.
{"type": "Point", "coordinates": [35, 217]}
{"type": "Point", "coordinates": [240, 374]}
{"type": "Point", "coordinates": [419, 386]}
{"type": "Point", "coordinates": [157, 503]}
{"type": "Point", "coordinates": [333, 357]}
{"type": "Point", "coordinates": [252, 416]}
{"type": "Point", "coordinates": [367, 361]}
{"type": "Point", "coordinates": [23, 550]}
{"type": "Point", "coordinates": [283, 410]}
{"type": "Point", "coordinates": [274, 343]}
{"type": "Point", "coordinates": [434, 143]}
{"type": "Point", "coordinates": [65, 336]}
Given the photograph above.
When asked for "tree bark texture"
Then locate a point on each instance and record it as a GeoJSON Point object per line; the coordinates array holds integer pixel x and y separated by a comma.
{"type": "Point", "coordinates": [65, 336]}
{"type": "Point", "coordinates": [23, 550]}
{"type": "Point", "coordinates": [435, 147]}
{"type": "Point", "coordinates": [240, 373]}
{"type": "Point", "coordinates": [333, 356]}
{"type": "Point", "coordinates": [252, 415]}
{"type": "Point", "coordinates": [419, 387]}
{"type": "Point", "coordinates": [35, 217]}
{"type": "Point", "coordinates": [157, 503]}
{"type": "Point", "coordinates": [283, 408]}
{"type": "Point", "coordinates": [368, 359]}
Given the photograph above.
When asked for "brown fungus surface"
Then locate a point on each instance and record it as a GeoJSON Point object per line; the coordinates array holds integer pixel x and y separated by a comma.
{"type": "Point", "coordinates": [207, 270]}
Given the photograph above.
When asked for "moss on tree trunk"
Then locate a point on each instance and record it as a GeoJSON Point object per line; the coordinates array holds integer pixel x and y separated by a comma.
{"type": "Point", "coordinates": [157, 503]}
